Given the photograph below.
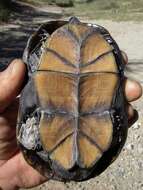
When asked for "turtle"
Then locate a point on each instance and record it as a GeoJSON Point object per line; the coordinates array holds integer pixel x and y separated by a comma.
{"type": "Point", "coordinates": [72, 122]}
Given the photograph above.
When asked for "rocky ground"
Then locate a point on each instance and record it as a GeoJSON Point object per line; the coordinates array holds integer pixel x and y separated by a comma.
{"type": "Point", "coordinates": [127, 171]}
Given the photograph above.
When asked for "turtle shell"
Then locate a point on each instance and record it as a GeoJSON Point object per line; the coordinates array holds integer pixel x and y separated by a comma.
{"type": "Point", "coordinates": [72, 118]}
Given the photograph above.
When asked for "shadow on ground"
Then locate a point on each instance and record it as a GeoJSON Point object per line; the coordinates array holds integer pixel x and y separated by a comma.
{"type": "Point", "coordinates": [14, 36]}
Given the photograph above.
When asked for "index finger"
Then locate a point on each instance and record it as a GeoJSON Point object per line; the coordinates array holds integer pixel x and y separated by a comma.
{"type": "Point", "coordinates": [125, 57]}
{"type": "Point", "coordinates": [132, 88]}
{"type": "Point", "coordinates": [11, 82]}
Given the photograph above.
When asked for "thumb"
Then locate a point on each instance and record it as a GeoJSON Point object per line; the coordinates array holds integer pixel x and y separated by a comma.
{"type": "Point", "coordinates": [11, 81]}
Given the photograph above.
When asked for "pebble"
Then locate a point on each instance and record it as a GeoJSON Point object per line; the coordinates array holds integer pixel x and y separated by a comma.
{"type": "Point", "coordinates": [129, 147]}
{"type": "Point", "coordinates": [140, 148]}
{"type": "Point", "coordinates": [136, 125]}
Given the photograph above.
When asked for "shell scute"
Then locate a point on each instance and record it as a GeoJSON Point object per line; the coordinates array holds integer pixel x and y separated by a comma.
{"type": "Point", "coordinates": [56, 92]}
{"type": "Point", "coordinates": [96, 92]}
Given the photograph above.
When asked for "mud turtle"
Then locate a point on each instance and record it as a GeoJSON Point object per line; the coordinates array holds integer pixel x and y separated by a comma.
{"type": "Point", "coordinates": [72, 118]}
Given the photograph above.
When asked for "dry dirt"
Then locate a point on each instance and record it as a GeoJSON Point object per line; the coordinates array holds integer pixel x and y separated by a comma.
{"type": "Point", "coordinates": [127, 171]}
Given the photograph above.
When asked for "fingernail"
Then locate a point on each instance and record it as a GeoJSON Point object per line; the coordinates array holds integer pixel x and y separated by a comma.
{"type": "Point", "coordinates": [133, 90]}
{"type": "Point", "coordinates": [133, 119]}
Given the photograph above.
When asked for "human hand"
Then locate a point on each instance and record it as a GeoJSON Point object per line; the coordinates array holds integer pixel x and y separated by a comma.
{"type": "Point", "coordinates": [14, 170]}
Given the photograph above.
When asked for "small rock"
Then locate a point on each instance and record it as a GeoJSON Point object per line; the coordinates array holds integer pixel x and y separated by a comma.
{"type": "Point", "coordinates": [137, 136]}
{"type": "Point", "coordinates": [140, 149]}
{"type": "Point", "coordinates": [140, 165]}
{"type": "Point", "coordinates": [129, 147]}
{"type": "Point", "coordinates": [121, 172]}
{"type": "Point", "coordinates": [142, 185]}
{"type": "Point", "coordinates": [136, 125]}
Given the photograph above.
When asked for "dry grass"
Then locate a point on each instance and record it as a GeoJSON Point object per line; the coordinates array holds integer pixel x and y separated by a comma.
{"type": "Point", "coordinates": [111, 9]}
{"type": "Point", "coordinates": [104, 9]}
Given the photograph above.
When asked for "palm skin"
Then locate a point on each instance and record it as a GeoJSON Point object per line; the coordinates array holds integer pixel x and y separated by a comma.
{"type": "Point", "coordinates": [14, 171]}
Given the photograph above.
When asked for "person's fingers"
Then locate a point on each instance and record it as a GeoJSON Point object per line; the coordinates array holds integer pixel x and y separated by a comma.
{"type": "Point", "coordinates": [8, 120]}
{"type": "Point", "coordinates": [11, 82]}
{"type": "Point", "coordinates": [133, 90]}
{"type": "Point", "coordinates": [132, 115]}
{"type": "Point", "coordinates": [25, 170]}
{"type": "Point", "coordinates": [125, 57]}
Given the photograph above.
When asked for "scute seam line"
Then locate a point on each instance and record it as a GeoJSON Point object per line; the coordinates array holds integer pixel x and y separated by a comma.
{"type": "Point", "coordinates": [63, 59]}
{"type": "Point", "coordinates": [58, 144]}
{"type": "Point", "coordinates": [77, 74]}
{"type": "Point", "coordinates": [92, 141]}
{"type": "Point", "coordinates": [96, 59]}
